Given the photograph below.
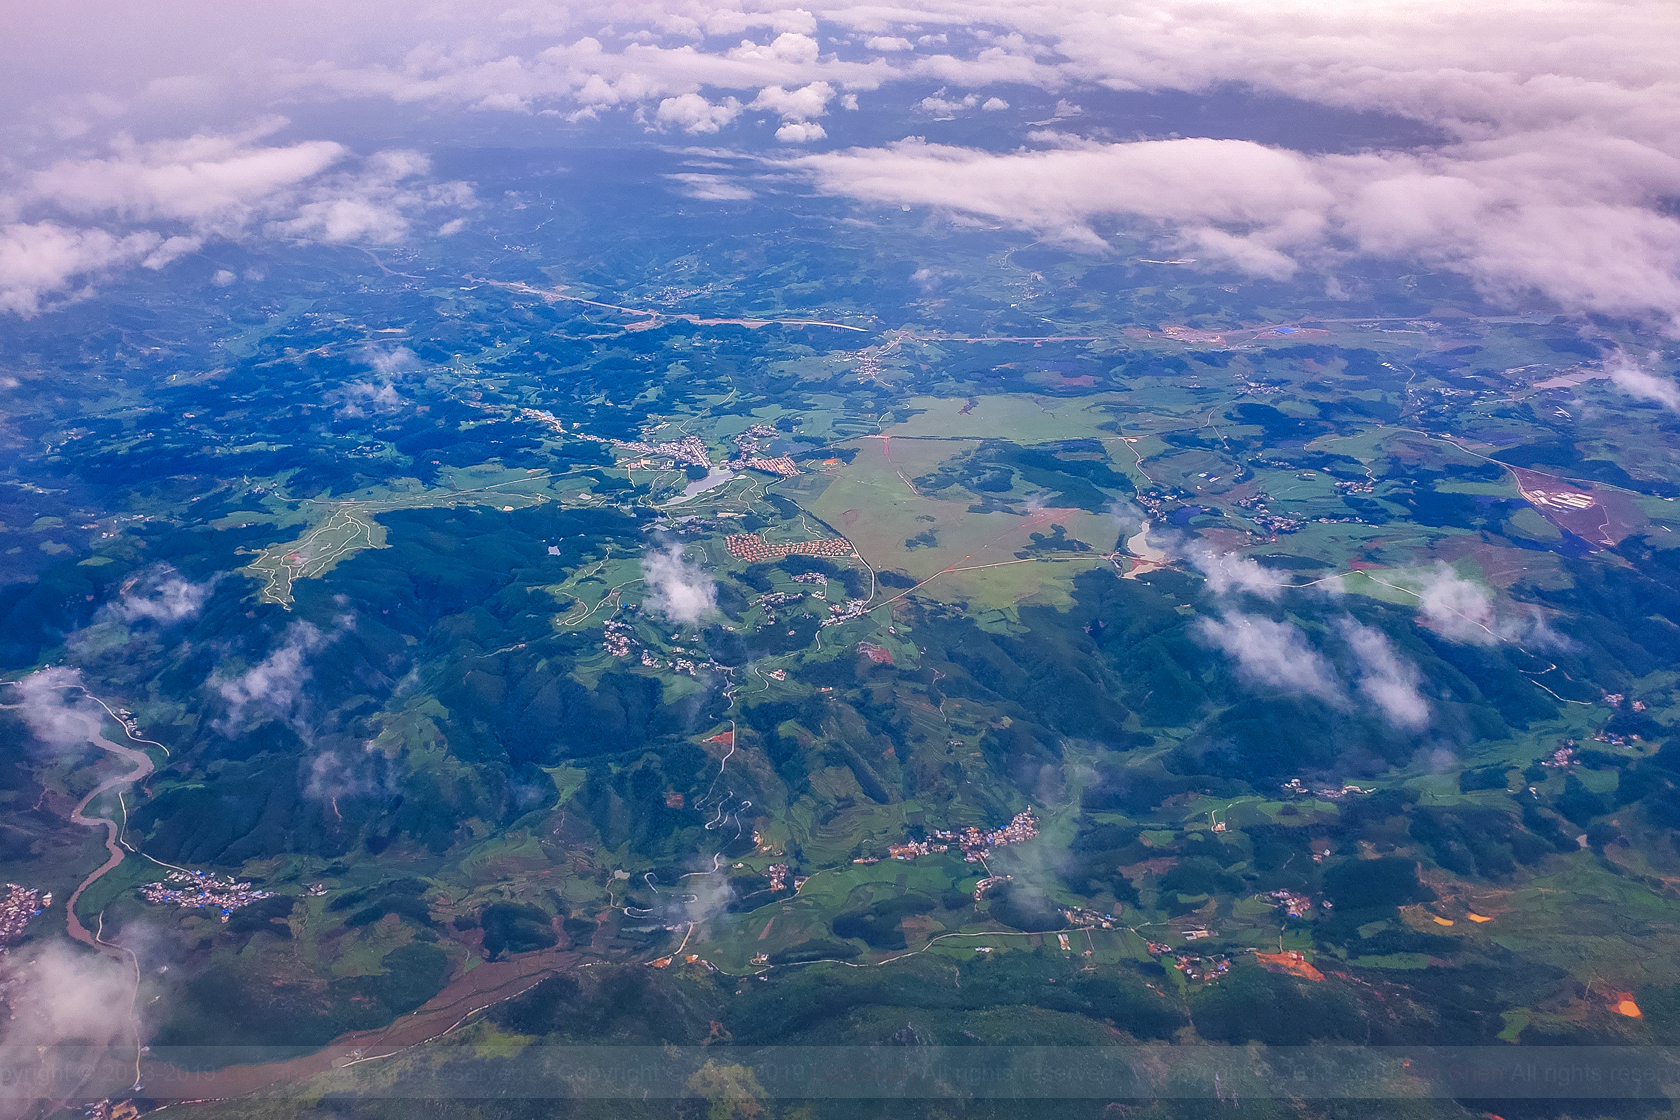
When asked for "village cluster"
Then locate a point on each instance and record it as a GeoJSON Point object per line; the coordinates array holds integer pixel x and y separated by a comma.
{"type": "Point", "coordinates": [1329, 793]}
{"type": "Point", "coordinates": [689, 451]}
{"type": "Point", "coordinates": [1561, 758]}
{"type": "Point", "coordinates": [617, 638]}
{"type": "Point", "coordinates": [839, 613]}
{"type": "Point", "coordinates": [1293, 905]}
{"type": "Point", "coordinates": [1202, 969]}
{"type": "Point", "coordinates": [198, 889]}
{"type": "Point", "coordinates": [1273, 523]}
{"type": "Point", "coordinates": [771, 600]}
{"type": "Point", "coordinates": [751, 441]}
{"type": "Point", "coordinates": [1081, 916]}
{"type": "Point", "coordinates": [973, 843]}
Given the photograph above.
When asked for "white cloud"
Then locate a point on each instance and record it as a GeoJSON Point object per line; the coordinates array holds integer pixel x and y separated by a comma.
{"type": "Point", "coordinates": [334, 774]}
{"type": "Point", "coordinates": [1513, 220]}
{"type": "Point", "coordinates": [694, 114]}
{"type": "Point", "coordinates": [1265, 197]}
{"type": "Point", "coordinates": [223, 277]}
{"type": "Point", "coordinates": [59, 993]}
{"type": "Point", "coordinates": [52, 718]}
{"type": "Point", "coordinates": [1464, 611]}
{"type": "Point", "coordinates": [1273, 655]}
{"type": "Point", "coordinates": [1389, 682]}
{"type": "Point", "coordinates": [713, 188]}
{"type": "Point", "coordinates": [940, 105]}
{"type": "Point", "coordinates": [343, 219]}
{"type": "Point", "coordinates": [803, 104]}
{"type": "Point", "coordinates": [728, 21]}
{"type": "Point", "coordinates": [212, 182]}
{"type": "Point", "coordinates": [43, 261]}
{"type": "Point", "coordinates": [159, 595]}
{"type": "Point", "coordinates": [1558, 151]}
{"type": "Point", "coordinates": [994, 105]}
{"type": "Point", "coordinates": [887, 43]}
{"type": "Point", "coordinates": [360, 398]}
{"type": "Point", "coordinates": [929, 277]}
{"type": "Point", "coordinates": [205, 186]}
{"type": "Point", "coordinates": [680, 591]}
{"type": "Point", "coordinates": [1637, 381]}
{"type": "Point", "coordinates": [801, 132]}
{"type": "Point", "coordinates": [391, 363]}
{"type": "Point", "coordinates": [1457, 608]}
{"type": "Point", "coordinates": [373, 204]}
{"type": "Point", "coordinates": [273, 687]}
{"type": "Point", "coordinates": [1227, 573]}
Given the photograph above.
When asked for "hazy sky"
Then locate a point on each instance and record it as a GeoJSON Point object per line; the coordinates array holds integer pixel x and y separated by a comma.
{"type": "Point", "coordinates": [144, 130]}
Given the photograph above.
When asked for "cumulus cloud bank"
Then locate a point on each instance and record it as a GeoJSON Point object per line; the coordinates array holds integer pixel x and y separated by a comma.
{"type": "Point", "coordinates": [680, 591]}
{"type": "Point", "coordinates": [1512, 220]}
{"type": "Point", "coordinates": [42, 260]}
{"type": "Point", "coordinates": [1277, 656]}
{"type": "Point", "coordinates": [695, 115]}
{"type": "Point", "coordinates": [186, 192]}
{"type": "Point", "coordinates": [1554, 156]}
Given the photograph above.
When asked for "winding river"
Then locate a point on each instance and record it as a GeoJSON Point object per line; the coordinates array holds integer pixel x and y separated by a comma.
{"type": "Point", "coordinates": [113, 831]}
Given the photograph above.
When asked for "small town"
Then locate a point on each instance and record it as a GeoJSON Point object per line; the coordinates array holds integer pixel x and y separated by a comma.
{"type": "Point", "coordinates": [17, 906]}
{"type": "Point", "coordinates": [198, 889]}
